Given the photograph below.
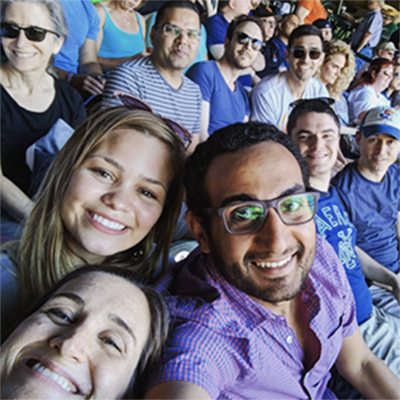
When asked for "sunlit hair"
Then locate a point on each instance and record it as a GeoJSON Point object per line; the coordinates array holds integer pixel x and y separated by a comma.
{"type": "Point", "coordinates": [347, 74]}
{"type": "Point", "coordinates": [42, 254]}
{"type": "Point", "coordinates": [54, 8]}
{"type": "Point", "coordinates": [159, 316]}
{"type": "Point", "coordinates": [369, 76]}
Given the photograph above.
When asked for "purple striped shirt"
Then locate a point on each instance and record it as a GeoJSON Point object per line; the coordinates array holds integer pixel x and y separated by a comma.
{"type": "Point", "coordinates": [231, 346]}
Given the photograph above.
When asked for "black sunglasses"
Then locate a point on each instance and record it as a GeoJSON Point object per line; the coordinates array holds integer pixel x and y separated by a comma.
{"type": "Point", "coordinates": [134, 103]}
{"type": "Point", "coordinates": [301, 52]}
{"type": "Point", "coordinates": [33, 33]}
{"type": "Point", "coordinates": [326, 100]}
{"type": "Point", "coordinates": [243, 38]}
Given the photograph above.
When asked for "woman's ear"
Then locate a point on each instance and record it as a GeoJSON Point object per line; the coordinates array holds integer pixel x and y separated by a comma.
{"type": "Point", "coordinates": [58, 44]}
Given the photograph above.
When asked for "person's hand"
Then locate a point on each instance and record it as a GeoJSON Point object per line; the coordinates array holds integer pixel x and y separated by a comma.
{"type": "Point", "coordinates": [87, 85]}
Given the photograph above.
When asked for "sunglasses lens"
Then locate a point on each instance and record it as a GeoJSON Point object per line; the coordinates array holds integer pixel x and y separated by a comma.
{"type": "Point", "coordinates": [299, 53]}
{"type": "Point", "coordinates": [9, 31]}
{"type": "Point", "coordinates": [243, 38]}
{"type": "Point", "coordinates": [315, 54]}
{"type": "Point", "coordinates": [134, 104]}
{"type": "Point", "coordinates": [35, 34]}
{"type": "Point", "coordinates": [257, 44]}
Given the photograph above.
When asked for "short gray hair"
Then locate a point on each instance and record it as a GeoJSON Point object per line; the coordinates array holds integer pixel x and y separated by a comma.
{"type": "Point", "coordinates": [54, 8]}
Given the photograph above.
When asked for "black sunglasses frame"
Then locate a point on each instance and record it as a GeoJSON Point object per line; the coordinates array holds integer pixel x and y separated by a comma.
{"type": "Point", "coordinates": [301, 52]}
{"type": "Point", "coordinates": [32, 33]}
{"type": "Point", "coordinates": [244, 38]}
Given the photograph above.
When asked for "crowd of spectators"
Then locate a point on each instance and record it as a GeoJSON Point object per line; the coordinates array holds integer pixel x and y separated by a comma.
{"type": "Point", "coordinates": [133, 132]}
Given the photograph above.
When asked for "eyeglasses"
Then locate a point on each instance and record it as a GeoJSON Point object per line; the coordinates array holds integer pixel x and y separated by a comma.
{"type": "Point", "coordinates": [301, 52]}
{"type": "Point", "coordinates": [244, 39]}
{"type": "Point", "coordinates": [270, 23]}
{"type": "Point", "coordinates": [174, 31]}
{"type": "Point", "coordinates": [248, 217]}
{"type": "Point", "coordinates": [134, 103]}
{"type": "Point", "coordinates": [33, 33]}
{"type": "Point", "coordinates": [326, 100]}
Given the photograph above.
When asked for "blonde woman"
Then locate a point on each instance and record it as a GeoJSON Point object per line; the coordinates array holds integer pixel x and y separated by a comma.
{"type": "Point", "coordinates": [336, 73]}
{"type": "Point", "coordinates": [112, 195]}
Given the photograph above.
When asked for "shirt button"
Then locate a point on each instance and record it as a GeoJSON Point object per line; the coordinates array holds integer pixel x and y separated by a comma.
{"type": "Point", "coordinates": [289, 340]}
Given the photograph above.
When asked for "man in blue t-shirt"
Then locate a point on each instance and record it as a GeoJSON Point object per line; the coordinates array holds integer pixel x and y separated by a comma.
{"type": "Point", "coordinates": [225, 100]}
{"type": "Point", "coordinates": [370, 187]}
{"type": "Point", "coordinates": [314, 128]}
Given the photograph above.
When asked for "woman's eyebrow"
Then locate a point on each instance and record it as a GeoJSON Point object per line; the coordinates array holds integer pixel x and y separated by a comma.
{"type": "Point", "coordinates": [71, 296]}
{"type": "Point", "coordinates": [109, 160]}
{"type": "Point", "coordinates": [120, 322]}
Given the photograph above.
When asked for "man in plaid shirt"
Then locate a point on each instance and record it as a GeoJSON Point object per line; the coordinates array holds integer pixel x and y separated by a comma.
{"type": "Point", "coordinates": [263, 310]}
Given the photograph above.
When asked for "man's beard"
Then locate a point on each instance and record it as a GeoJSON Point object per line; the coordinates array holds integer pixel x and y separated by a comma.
{"type": "Point", "coordinates": [270, 290]}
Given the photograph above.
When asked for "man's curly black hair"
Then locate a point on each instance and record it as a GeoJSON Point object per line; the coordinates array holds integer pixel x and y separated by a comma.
{"type": "Point", "coordinates": [233, 138]}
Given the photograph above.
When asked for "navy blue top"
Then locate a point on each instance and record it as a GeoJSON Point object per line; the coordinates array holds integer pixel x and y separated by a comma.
{"type": "Point", "coordinates": [373, 208]}
{"type": "Point", "coordinates": [274, 54]}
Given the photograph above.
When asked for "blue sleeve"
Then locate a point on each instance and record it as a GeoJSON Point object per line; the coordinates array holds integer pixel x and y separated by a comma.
{"type": "Point", "coordinates": [201, 74]}
{"type": "Point", "coordinates": [216, 31]}
{"type": "Point", "coordinates": [94, 20]}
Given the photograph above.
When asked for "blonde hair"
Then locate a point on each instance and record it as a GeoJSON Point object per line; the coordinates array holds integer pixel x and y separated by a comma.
{"type": "Point", "coordinates": [343, 81]}
{"type": "Point", "coordinates": [42, 254]}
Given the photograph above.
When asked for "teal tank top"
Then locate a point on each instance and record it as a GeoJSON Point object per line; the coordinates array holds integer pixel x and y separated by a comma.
{"type": "Point", "coordinates": [117, 43]}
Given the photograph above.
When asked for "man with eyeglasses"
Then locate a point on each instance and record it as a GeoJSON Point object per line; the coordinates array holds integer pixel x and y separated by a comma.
{"type": "Point", "coordinates": [263, 309]}
{"type": "Point", "coordinates": [225, 100]}
{"type": "Point", "coordinates": [159, 79]}
{"type": "Point", "coordinates": [314, 128]}
{"type": "Point", "coordinates": [271, 98]}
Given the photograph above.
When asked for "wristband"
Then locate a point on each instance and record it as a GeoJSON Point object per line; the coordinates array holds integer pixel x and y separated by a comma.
{"type": "Point", "coordinates": [69, 77]}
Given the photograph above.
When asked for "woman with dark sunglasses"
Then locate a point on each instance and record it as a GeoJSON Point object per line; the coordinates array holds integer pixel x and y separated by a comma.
{"type": "Point", "coordinates": [112, 196]}
{"type": "Point", "coordinates": [32, 100]}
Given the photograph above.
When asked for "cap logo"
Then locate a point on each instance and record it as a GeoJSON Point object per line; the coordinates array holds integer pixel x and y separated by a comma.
{"type": "Point", "coordinates": [387, 114]}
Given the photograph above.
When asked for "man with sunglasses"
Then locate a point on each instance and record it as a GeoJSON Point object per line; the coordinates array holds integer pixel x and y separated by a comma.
{"type": "Point", "coordinates": [263, 309]}
{"type": "Point", "coordinates": [159, 79]}
{"type": "Point", "coordinates": [314, 128]}
{"type": "Point", "coordinates": [225, 100]}
{"type": "Point", "coordinates": [273, 95]}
